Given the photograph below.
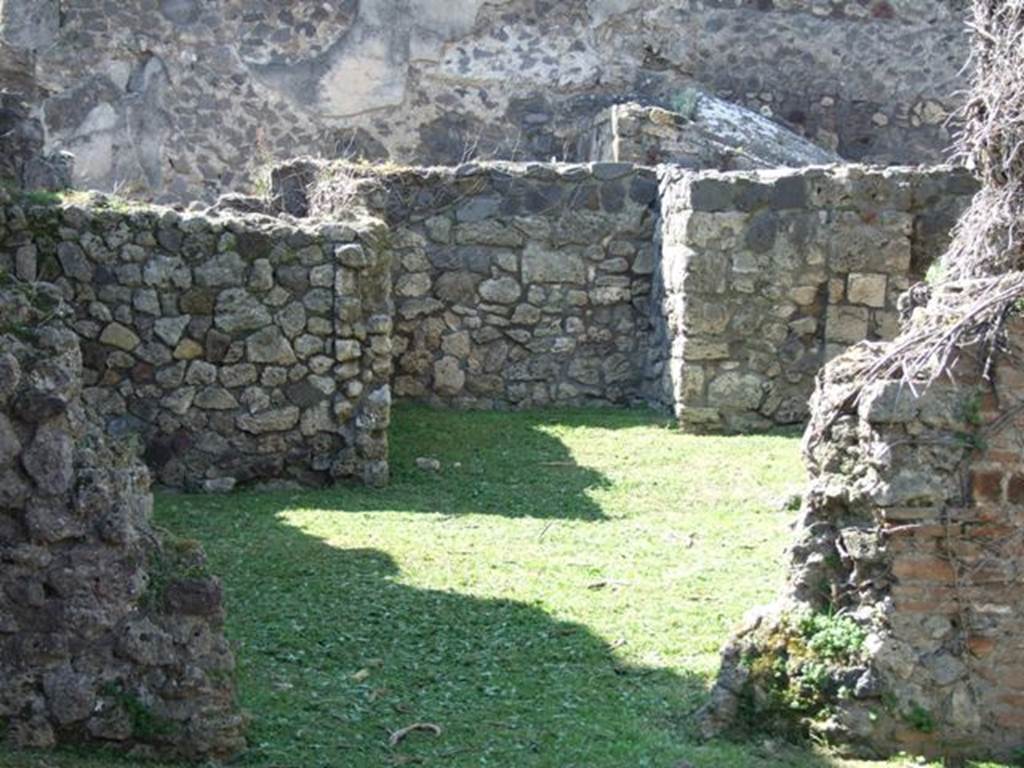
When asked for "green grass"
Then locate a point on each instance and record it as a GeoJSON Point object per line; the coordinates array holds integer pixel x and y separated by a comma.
{"type": "Point", "coordinates": [556, 596]}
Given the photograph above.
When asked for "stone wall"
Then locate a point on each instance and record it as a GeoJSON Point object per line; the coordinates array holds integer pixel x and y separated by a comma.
{"type": "Point", "coordinates": [106, 634]}
{"type": "Point", "coordinates": [766, 275]}
{"type": "Point", "coordinates": [718, 295]}
{"type": "Point", "coordinates": [187, 98]}
{"type": "Point", "coordinates": [711, 135]}
{"type": "Point", "coordinates": [518, 284]}
{"type": "Point", "coordinates": [252, 347]}
{"type": "Point", "coordinates": [912, 530]}
{"type": "Point", "coordinates": [239, 347]}
{"type": "Point", "coordinates": [23, 159]}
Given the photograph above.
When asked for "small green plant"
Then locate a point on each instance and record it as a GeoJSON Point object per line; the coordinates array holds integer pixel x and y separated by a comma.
{"type": "Point", "coordinates": [970, 409]}
{"type": "Point", "coordinates": [792, 672]}
{"type": "Point", "coordinates": [808, 687]}
{"type": "Point", "coordinates": [833, 637]}
{"type": "Point", "coordinates": [919, 718]}
{"type": "Point", "coordinates": [971, 441]}
{"type": "Point", "coordinates": [685, 102]}
{"type": "Point", "coordinates": [146, 725]}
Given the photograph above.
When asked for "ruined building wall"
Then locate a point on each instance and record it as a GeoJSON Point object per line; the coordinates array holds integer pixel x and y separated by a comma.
{"type": "Point", "coordinates": [710, 135]}
{"type": "Point", "coordinates": [24, 161]}
{"type": "Point", "coordinates": [521, 285]}
{"type": "Point", "coordinates": [718, 296]}
{"type": "Point", "coordinates": [186, 98]}
{"type": "Point", "coordinates": [250, 347]}
{"type": "Point", "coordinates": [107, 634]}
{"type": "Point", "coordinates": [240, 347]}
{"type": "Point", "coordinates": [912, 529]}
{"type": "Point", "coordinates": [764, 276]}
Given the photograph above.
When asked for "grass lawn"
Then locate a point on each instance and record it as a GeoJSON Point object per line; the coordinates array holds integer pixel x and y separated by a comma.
{"type": "Point", "coordinates": [555, 597]}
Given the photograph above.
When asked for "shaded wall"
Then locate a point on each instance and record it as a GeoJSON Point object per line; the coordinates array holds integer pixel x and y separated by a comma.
{"type": "Point", "coordinates": [109, 634]}
{"type": "Point", "coordinates": [514, 284]}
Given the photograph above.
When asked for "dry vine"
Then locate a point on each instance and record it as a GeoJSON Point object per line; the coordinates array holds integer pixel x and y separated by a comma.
{"type": "Point", "coordinates": [962, 329]}
{"type": "Point", "coordinates": [987, 239]}
{"type": "Point", "coordinates": [984, 264]}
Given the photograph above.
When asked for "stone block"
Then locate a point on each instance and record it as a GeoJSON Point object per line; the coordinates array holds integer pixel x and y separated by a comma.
{"type": "Point", "coordinates": [413, 285]}
{"type": "Point", "coordinates": [237, 310]}
{"type": "Point", "coordinates": [867, 289]}
{"type": "Point", "coordinates": [504, 290]}
{"type": "Point", "coordinates": [449, 378]}
{"type": "Point", "coordinates": [846, 324]}
{"type": "Point", "coordinates": [541, 265]}
{"type": "Point", "coordinates": [277, 420]}
{"type": "Point", "coordinates": [118, 336]}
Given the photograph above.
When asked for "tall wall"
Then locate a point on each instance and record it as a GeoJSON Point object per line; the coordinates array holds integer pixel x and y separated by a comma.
{"type": "Point", "coordinates": [764, 276]}
{"type": "Point", "coordinates": [108, 635]}
{"type": "Point", "coordinates": [186, 97]}
{"type": "Point", "coordinates": [912, 530]}
{"type": "Point", "coordinates": [239, 347]}
{"type": "Point", "coordinates": [23, 159]}
{"type": "Point", "coordinates": [521, 285]}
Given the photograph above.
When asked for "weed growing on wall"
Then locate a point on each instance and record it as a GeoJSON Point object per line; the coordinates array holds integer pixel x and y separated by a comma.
{"type": "Point", "coordinates": [800, 665]}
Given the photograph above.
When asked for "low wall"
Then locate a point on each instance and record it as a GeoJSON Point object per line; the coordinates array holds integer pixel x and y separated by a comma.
{"type": "Point", "coordinates": [246, 347]}
{"type": "Point", "coordinates": [766, 275]}
{"type": "Point", "coordinates": [240, 347]}
{"type": "Point", "coordinates": [107, 635]}
{"type": "Point", "coordinates": [519, 284]}
{"type": "Point", "coordinates": [717, 295]}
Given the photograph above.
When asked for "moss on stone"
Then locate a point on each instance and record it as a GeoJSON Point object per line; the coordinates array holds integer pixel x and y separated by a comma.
{"type": "Point", "coordinates": [795, 671]}
{"type": "Point", "coordinates": [147, 726]}
{"type": "Point", "coordinates": [172, 559]}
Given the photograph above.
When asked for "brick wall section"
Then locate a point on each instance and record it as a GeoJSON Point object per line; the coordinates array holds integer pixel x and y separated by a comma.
{"type": "Point", "coordinates": [953, 536]}
{"type": "Point", "coordinates": [913, 526]}
{"type": "Point", "coordinates": [106, 636]}
{"type": "Point", "coordinates": [240, 347]}
{"type": "Point", "coordinates": [765, 275]}
{"type": "Point", "coordinates": [520, 284]}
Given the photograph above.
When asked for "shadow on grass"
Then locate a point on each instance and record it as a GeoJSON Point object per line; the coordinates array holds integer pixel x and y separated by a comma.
{"type": "Point", "coordinates": [491, 463]}
{"type": "Point", "coordinates": [336, 653]}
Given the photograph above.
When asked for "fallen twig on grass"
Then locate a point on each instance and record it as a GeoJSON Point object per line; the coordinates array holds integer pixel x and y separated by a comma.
{"type": "Point", "coordinates": [396, 737]}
